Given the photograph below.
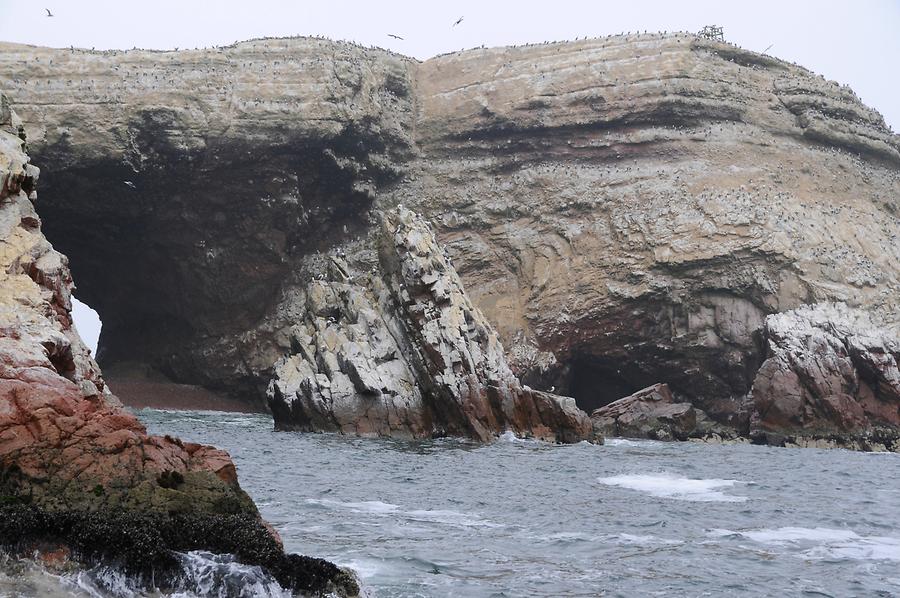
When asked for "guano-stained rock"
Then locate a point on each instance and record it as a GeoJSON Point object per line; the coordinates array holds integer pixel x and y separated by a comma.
{"type": "Point", "coordinates": [405, 353]}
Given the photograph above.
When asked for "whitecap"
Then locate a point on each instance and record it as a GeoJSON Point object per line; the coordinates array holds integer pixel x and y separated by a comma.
{"type": "Point", "coordinates": [645, 540]}
{"type": "Point", "coordinates": [670, 486]}
{"type": "Point", "coordinates": [830, 543]}
{"type": "Point", "coordinates": [364, 568]}
{"type": "Point", "coordinates": [377, 507]}
{"type": "Point", "coordinates": [509, 436]}
{"type": "Point", "coordinates": [870, 548]}
{"type": "Point", "coordinates": [784, 535]}
{"type": "Point", "coordinates": [622, 442]}
{"type": "Point", "coordinates": [367, 506]}
{"type": "Point", "coordinates": [449, 518]}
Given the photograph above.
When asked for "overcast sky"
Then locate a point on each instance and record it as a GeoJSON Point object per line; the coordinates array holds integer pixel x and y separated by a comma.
{"type": "Point", "coordinates": [857, 43]}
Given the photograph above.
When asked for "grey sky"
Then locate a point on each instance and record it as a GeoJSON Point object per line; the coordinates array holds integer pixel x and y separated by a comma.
{"type": "Point", "coordinates": [855, 43]}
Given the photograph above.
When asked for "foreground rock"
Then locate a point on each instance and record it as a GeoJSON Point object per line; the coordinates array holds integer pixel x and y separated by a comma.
{"type": "Point", "coordinates": [830, 378]}
{"type": "Point", "coordinates": [406, 353]}
{"type": "Point", "coordinates": [76, 470]}
{"type": "Point", "coordinates": [653, 413]}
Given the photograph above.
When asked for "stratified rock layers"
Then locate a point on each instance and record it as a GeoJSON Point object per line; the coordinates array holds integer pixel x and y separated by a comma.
{"type": "Point", "coordinates": [624, 211]}
{"type": "Point", "coordinates": [76, 468]}
{"type": "Point", "coordinates": [406, 353]}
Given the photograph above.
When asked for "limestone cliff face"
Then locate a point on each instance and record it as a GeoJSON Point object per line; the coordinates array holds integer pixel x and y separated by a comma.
{"type": "Point", "coordinates": [627, 211]}
{"type": "Point", "coordinates": [404, 352]}
{"type": "Point", "coordinates": [624, 211]}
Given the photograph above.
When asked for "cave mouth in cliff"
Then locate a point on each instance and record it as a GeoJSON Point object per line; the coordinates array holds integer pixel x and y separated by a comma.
{"type": "Point", "coordinates": [596, 381]}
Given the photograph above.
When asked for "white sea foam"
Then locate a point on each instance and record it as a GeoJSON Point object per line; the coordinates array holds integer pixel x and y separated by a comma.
{"type": "Point", "coordinates": [828, 543]}
{"type": "Point", "coordinates": [367, 506]}
{"type": "Point", "coordinates": [666, 485]}
{"type": "Point", "coordinates": [376, 507]}
{"type": "Point", "coordinates": [784, 535]}
{"type": "Point", "coordinates": [449, 518]}
{"type": "Point", "coordinates": [645, 540]}
{"type": "Point", "coordinates": [364, 568]}
{"type": "Point", "coordinates": [622, 442]}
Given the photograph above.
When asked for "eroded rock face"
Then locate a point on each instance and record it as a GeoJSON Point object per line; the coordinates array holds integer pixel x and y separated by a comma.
{"type": "Point", "coordinates": [404, 352]}
{"type": "Point", "coordinates": [830, 373]}
{"type": "Point", "coordinates": [628, 211]}
{"type": "Point", "coordinates": [75, 467]}
{"type": "Point", "coordinates": [624, 211]}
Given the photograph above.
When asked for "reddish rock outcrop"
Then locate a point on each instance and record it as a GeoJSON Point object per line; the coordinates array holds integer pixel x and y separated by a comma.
{"type": "Point", "coordinates": [63, 436]}
{"type": "Point", "coordinates": [831, 374]}
{"type": "Point", "coordinates": [404, 352]}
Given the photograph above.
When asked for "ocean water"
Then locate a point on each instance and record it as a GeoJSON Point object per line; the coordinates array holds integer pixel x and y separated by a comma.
{"type": "Point", "coordinates": [523, 518]}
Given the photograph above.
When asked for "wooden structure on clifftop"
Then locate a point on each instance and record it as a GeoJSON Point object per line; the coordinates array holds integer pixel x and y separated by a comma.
{"type": "Point", "coordinates": [713, 32]}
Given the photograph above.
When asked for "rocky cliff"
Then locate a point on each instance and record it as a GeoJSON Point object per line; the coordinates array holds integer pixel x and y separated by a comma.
{"type": "Point", "coordinates": [404, 352]}
{"type": "Point", "coordinates": [77, 470]}
{"type": "Point", "coordinates": [624, 211]}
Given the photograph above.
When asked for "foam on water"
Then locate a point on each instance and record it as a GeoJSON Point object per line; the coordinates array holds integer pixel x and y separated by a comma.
{"type": "Point", "coordinates": [509, 436]}
{"type": "Point", "coordinates": [678, 488]}
{"type": "Point", "coordinates": [204, 575]}
{"type": "Point", "coordinates": [379, 508]}
{"type": "Point", "coordinates": [414, 518]}
{"type": "Point", "coordinates": [827, 543]}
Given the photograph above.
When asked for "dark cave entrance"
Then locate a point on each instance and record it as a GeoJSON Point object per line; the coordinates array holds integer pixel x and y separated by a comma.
{"type": "Point", "coordinates": [596, 381]}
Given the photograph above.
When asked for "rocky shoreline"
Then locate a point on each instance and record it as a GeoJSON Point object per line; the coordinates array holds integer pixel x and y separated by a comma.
{"type": "Point", "coordinates": [378, 246]}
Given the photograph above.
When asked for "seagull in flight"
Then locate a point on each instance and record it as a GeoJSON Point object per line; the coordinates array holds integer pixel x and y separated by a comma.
{"type": "Point", "coordinates": [394, 36]}
{"type": "Point", "coordinates": [49, 14]}
{"type": "Point", "coordinates": [458, 21]}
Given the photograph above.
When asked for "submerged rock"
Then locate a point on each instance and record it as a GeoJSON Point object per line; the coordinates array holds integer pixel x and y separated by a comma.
{"type": "Point", "coordinates": [830, 375]}
{"type": "Point", "coordinates": [406, 353]}
{"type": "Point", "coordinates": [78, 470]}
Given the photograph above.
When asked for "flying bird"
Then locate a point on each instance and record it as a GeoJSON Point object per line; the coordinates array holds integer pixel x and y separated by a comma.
{"type": "Point", "coordinates": [394, 36]}
{"type": "Point", "coordinates": [458, 21]}
{"type": "Point", "coordinates": [49, 14]}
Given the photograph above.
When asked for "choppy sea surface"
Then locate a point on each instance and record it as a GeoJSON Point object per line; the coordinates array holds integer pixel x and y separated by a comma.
{"type": "Point", "coordinates": [523, 518]}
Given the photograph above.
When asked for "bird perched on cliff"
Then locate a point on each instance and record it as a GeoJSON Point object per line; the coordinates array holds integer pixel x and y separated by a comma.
{"type": "Point", "coordinates": [49, 14]}
{"type": "Point", "coordinates": [458, 21]}
{"type": "Point", "coordinates": [395, 36]}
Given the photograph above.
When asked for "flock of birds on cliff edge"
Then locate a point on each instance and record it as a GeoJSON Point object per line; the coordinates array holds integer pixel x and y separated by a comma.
{"type": "Point", "coordinates": [460, 20]}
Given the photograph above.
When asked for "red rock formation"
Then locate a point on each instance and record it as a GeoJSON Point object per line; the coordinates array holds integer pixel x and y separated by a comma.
{"type": "Point", "coordinates": [830, 373]}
